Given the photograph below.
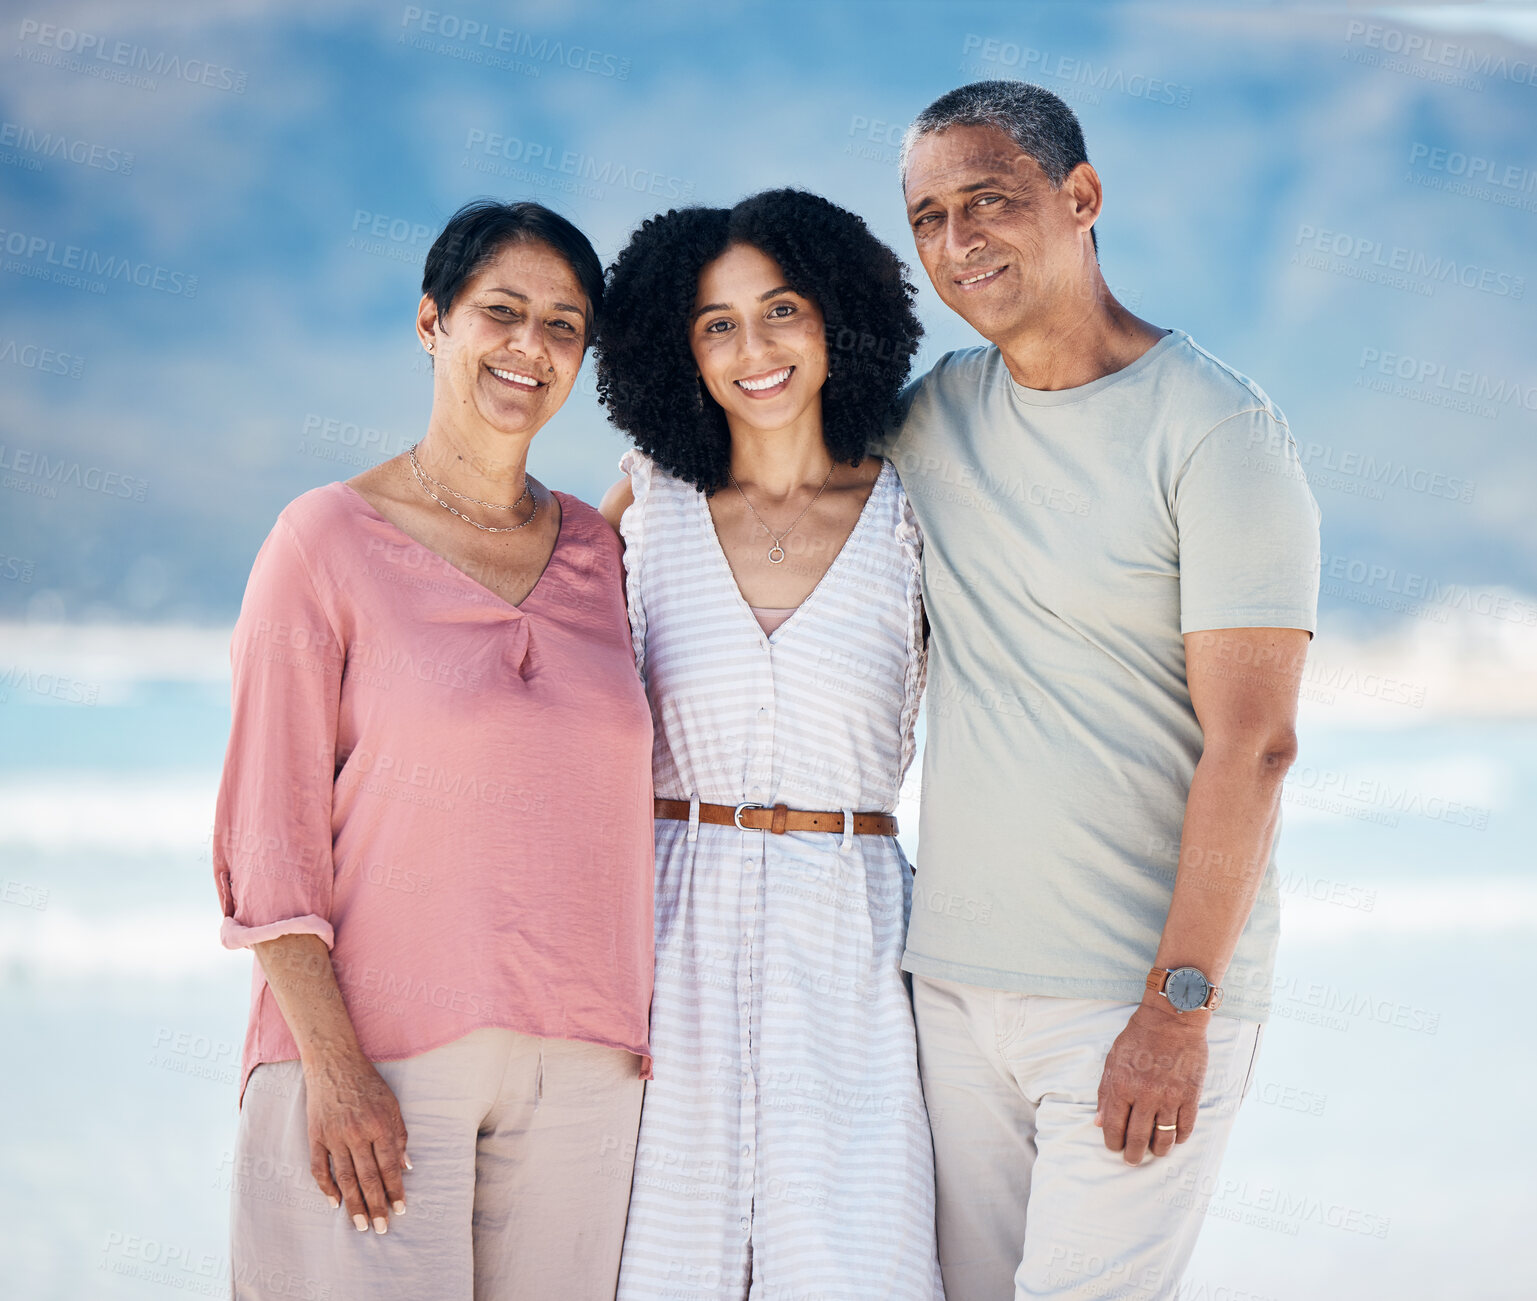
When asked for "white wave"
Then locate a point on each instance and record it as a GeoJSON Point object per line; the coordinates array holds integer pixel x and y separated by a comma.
{"type": "Point", "coordinates": [97, 811]}
{"type": "Point", "coordinates": [1462, 788]}
{"type": "Point", "coordinates": [1476, 658]}
{"type": "Point", "coordinates": [109, 654]}
{"type": "Point", "coordinates": [57, 943]}
{"type": "Point", "coordinates": [1489, 907]}
{"type": "Point", "coordinates": [1480, 662]}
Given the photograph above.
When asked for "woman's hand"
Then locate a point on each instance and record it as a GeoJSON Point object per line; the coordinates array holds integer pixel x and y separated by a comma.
{"type": "Point", "coordinates": [357, 1138]}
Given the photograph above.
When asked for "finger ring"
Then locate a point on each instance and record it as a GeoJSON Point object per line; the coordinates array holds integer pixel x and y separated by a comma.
{"type": "Point", "coordinates": [1166, 1128]}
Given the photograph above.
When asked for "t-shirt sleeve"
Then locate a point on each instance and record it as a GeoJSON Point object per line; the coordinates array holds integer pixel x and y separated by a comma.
{"type": "Point", "coordinates": [272, 840]}
{"type": "Point", "coordinates": [1248, 530]}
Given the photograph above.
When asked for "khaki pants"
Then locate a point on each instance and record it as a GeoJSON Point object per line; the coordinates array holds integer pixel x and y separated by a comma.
{"type": "Point", "coordinates": [1030, 1202]}
{"type": "Point", "coordinates": [522, 1151]}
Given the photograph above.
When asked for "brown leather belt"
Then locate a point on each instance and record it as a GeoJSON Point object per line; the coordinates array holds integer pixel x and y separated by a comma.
{"type": "Point", "coordinates": [777, 818]}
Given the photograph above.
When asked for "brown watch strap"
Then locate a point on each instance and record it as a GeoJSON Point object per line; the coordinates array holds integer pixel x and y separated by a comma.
{"type": "Point", "coordinates": [1158, 977]}
{"type": "Point", "coordinates": [778, 818]}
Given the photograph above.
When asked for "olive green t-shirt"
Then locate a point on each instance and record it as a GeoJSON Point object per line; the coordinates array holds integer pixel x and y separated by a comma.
{"type": "Point", "coordinates": [1071, 538]}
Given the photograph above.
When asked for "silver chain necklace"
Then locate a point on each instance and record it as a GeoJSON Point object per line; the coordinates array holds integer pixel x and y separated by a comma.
{"type": "Point", "coordinates": [426, 481]}
{"type": "Point", "coordinates": [474, 501]}
{"type": "Point", "coordinates": [780, 537]}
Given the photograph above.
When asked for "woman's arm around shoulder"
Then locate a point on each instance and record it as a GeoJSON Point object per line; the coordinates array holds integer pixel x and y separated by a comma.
{"type": "Point", "coordinates": [616, 501]}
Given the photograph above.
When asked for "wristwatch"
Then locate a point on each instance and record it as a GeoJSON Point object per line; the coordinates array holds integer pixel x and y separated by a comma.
{"type": "Point", "coordinates": [1186, 988]}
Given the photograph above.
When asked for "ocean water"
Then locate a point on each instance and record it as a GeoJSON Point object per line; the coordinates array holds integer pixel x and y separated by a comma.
{"type": "Point", "coordinates": [1383, 1152]}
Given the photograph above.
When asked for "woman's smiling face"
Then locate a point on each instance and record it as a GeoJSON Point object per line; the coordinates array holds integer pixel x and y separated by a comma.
{"type": "Point", "coordinates": [761, 348]}
{"type": "Point", "coordinates": [509, 350]}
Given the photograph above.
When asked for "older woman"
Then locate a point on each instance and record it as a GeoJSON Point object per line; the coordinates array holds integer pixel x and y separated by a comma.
{"type": "Point", "coordinates": [434, 830]}
{"type": "Point", "coordinates": [773, 571]}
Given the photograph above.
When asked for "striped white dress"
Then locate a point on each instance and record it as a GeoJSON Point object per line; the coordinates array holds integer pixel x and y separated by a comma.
{"type": "Point", "coordinates": [784, 1148]}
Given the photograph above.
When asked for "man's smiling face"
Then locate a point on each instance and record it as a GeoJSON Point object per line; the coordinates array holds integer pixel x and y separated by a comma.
{"type": "Point", "coordinates": [1000, 244]}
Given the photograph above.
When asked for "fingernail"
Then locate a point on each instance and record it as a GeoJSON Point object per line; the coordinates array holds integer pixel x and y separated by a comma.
{"type": "Point", "coordinates": [407, 1161]}
{"type": "Point", "coordinates": [398, 1207]}
{"type": "Point", "coordinates": [381, 1225]}
{"type": "Point", "coordinates": [360, 1223]}
{"type": "Point", "coordinates": [335, 1201]}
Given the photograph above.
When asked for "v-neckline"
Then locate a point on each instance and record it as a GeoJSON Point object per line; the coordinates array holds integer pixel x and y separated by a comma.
{"type": "Point", "coordinates": [560, 537]}
{"type": "Point", "coordinates": [742, 602]}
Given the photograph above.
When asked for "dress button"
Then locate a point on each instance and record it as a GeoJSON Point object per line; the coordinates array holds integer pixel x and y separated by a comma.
{"type": "Point", "coordinates": [746, 1224]}
{"type": "Point", "coordinates": [746, 1149]}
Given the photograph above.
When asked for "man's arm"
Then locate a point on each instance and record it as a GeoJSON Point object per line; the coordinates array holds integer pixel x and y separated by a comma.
{"type": "Point", "coordinates": [1243, 685]}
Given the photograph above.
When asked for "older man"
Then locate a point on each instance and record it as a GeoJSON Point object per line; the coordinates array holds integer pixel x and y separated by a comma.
{"type": "Point", "coordinates": [1121, 570]}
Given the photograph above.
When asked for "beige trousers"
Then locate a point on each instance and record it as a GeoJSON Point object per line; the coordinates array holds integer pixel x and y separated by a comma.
{"type": "Point", "coordinates": [1029, 1201]}
{"type": "Point", "coordinates": [522, 1149]}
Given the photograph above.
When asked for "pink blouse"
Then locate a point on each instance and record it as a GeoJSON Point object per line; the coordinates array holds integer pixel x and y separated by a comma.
{"type": "Point", "coordinates": [453, 792]}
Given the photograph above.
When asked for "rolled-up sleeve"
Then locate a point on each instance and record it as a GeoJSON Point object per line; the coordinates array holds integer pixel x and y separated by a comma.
{"type": "Point", "coordinates": [1248, 530]}
{"type": "Point", "coordinates": [272, 843]}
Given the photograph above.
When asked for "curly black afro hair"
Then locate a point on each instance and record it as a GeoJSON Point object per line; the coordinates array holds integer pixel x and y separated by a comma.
{"type": "Point", "coordinates": [646, 373]}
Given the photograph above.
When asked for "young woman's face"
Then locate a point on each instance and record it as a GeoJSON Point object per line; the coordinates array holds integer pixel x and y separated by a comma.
{"type": "Point", "coordinates": [761, 348]}
{"type": "Point", "coordinates": [508, 352]}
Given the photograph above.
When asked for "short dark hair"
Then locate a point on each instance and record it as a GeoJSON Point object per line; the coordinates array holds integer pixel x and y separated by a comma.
{"type": "Point", "coordinates": [482, 228]}
{"type": "Point", "coordinates": [646, 371]}
{"type": "Point", "coordinates": [1039, 122]}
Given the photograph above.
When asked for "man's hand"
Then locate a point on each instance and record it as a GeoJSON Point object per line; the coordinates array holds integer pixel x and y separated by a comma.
{"type": "Point", "coordinates": [1153, 1076]}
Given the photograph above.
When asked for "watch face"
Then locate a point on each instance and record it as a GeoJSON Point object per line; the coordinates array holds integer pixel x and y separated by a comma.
{"type": "Point", "coordinates": [1187, 989]}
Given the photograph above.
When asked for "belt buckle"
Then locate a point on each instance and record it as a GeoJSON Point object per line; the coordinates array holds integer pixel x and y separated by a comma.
{"type": "Point", "coordinates": [736, 814]}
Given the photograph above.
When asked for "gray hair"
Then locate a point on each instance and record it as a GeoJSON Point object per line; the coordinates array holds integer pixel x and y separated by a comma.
{"type": "Point", "coordinates": [1040, 123]}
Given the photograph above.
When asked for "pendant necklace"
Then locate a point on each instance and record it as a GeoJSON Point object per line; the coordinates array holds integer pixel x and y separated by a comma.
{"type": "Point", "coordinates": [776, 552]}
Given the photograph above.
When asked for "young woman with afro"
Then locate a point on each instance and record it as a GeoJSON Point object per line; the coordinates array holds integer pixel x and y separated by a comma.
{"type": "Point", "coordinates": [753, 356]}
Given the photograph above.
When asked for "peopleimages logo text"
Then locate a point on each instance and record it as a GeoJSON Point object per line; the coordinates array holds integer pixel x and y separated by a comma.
{"type": "Point", "coordinates": [1440, 53]}
{"type": "Point", "coordinates": [89, 46]}
{"type": "Point", "coordinates": [568, 162]}
{"type": "Point", "coordinates": [1421, 587]}
{"type": "Point", "coordinates": [49, 144]}
{"type": "Point", "coordinates": [1315, 457]}
{"type": "Point", "coordinates": [61, 471]}
{"type": "Point", "coordinates": [1461, 382]}
{"type": "Point", "coordinates": [40, 251]}
{"type": "Point", "coordinates": [472, 33]}
{"type": "Point", "coordinates": [1033, 63]}
{"type": "Point", "coordinates": [1407, 261]}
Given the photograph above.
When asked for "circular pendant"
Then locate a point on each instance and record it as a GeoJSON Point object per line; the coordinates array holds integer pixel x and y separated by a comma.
{"type": "Point", "coordinates": [776, 555]}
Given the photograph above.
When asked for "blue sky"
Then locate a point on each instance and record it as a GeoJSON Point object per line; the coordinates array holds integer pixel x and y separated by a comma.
{"type": "Point", "coordinates": [1265, 168]}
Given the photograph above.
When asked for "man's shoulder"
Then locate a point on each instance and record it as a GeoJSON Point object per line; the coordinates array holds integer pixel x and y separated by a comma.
{"type": "Point", "coordinates": [956, 376]}
{"type": "Point", "coordinates": [961, 367]}
{"type": "Point", "coordinates": [1207, 391]}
